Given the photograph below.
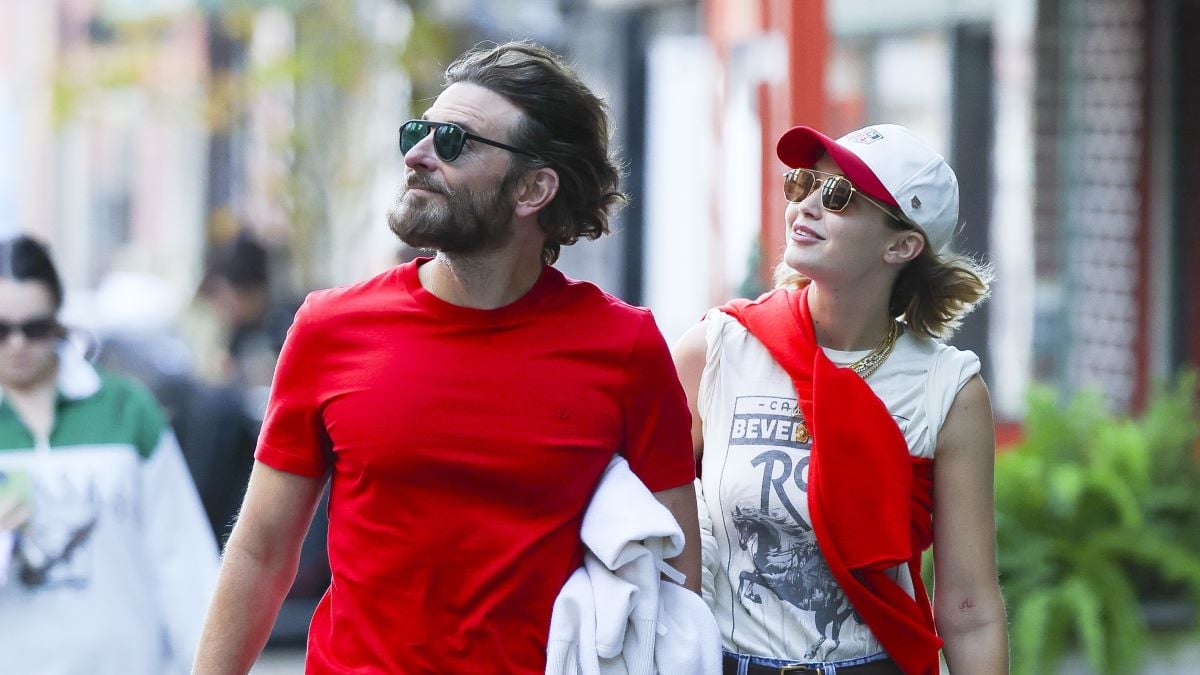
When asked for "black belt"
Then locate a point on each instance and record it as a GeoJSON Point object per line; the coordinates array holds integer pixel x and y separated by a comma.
{"type": "Point", "coordinates": [884, 667]}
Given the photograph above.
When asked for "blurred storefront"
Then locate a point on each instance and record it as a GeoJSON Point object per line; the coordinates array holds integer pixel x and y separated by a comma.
{"type": "Point", "coordinates": [105, 136]}
{"type": "Point", "coordinates": [137, 135]}
{"type": "Point", "coordinates": [1117, 163]}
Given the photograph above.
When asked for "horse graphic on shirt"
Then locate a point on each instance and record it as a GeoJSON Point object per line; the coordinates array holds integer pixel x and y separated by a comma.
{"type": "Point", "coordinates": [788, 562]}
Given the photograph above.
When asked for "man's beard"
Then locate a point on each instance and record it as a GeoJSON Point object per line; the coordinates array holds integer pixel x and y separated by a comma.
{"type": "Point", "coordinates": [460, 222]}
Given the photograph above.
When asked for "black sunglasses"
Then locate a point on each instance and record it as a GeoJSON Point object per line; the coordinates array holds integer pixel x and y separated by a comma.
{"type": "Point", "coordinates": [448, 139]}
{"type": "Point", "coordinates": [836, 190]}
{"type": "Point", "coordinates": [33, 329]}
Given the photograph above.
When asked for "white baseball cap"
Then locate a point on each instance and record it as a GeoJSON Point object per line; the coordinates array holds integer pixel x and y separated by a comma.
{"type": "Point", "coordinates": [891, 164]}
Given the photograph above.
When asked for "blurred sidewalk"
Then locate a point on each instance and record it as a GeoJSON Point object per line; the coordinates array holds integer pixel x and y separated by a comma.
{"type": "Point", "coordinates": [280, 661]}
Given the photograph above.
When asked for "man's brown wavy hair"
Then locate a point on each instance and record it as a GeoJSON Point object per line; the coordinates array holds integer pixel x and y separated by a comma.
{"type": "Point", "coordinates": [564, 123]}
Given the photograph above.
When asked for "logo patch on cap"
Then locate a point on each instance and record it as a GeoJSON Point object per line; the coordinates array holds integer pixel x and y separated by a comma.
{"type": "Point", "coordinates": [866, 136]}
{"type": "Point", "coordinates": [916, 202]}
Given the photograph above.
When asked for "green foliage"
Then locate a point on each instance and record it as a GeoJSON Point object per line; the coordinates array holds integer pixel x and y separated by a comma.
{"type": "Point", "coordinates": [1095, 513]}
{"type": "Point", "coordinates": [430, 48]}
{"type": "Point", "coordinates": [752, 285]}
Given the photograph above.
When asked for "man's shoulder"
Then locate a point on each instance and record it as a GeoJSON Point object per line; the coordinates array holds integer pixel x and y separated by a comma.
{"type": "Point", "coordinates": [587, 296]}
{"type": "Point", "coordinates": [338, 299]}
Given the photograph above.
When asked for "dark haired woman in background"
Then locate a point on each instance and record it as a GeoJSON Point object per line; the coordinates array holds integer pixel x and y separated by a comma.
{"type": "Point", "coordinates": [106, 559]}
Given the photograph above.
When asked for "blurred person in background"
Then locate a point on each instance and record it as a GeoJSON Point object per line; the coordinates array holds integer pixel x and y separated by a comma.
{"type": "Point", "coordinates": [463, 407]}
{"type": "Point", "coordinates": [818, 410]}
{"type": "Point", "coordinates": [109, 560]}
{"type": "Point", "coordinates": [233, 328]}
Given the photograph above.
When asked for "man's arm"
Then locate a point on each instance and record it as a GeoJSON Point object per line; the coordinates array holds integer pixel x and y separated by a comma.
{"type": "Point", "coordinates": [681, 501]}
{"type": "Point", "coordinates": [967, 602]}
{"type": "Point", "coordinates": [258, 568]}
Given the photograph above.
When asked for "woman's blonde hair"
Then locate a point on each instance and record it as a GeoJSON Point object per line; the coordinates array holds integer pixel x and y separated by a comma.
{"type": "Point", "coordinates": [933, 292]}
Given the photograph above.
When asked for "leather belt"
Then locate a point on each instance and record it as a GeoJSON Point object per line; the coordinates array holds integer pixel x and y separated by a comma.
{"type": "Point", "coordinates": [884, 667]}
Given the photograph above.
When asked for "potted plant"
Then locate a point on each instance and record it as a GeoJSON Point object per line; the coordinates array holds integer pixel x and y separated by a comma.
{"type": "Point", "coordinates": [1096, 514]}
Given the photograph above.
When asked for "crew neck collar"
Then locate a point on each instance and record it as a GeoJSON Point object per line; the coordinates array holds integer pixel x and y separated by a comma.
{"type": "Point", "coordinates": [549, 279]}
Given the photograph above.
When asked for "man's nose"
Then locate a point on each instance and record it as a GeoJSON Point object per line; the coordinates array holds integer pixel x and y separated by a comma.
{"type": "Point", "coordinates": [422, 155]}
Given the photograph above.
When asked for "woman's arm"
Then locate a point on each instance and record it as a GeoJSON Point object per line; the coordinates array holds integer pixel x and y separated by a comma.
{"type": "Point", "coordinates": [689, 355]}
{"type": "Point", "coordinates": [968, 607]}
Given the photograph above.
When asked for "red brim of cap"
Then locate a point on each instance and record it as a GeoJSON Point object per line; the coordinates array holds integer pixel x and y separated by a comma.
{"type": "Point", "coordinates": [801, 147]}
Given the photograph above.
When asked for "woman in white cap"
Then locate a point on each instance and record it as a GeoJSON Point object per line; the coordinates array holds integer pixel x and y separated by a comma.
{"type": "Point", "coordinates": [818, 410]}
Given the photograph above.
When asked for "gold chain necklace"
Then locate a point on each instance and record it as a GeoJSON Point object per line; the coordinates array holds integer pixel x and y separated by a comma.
{"type": "Point", "coordinates": [865, 367]}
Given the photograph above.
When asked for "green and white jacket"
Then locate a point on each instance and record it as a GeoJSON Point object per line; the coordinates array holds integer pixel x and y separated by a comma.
{"type": "Point", "coordinates": [114, 569]}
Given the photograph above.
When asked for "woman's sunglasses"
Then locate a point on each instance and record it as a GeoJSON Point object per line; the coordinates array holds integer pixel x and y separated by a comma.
{"type": "Point", "coordinates": [836, 190]}
{"type": "Point", "coordinates": [33, 329]}
{"type": "Point", "coordinates": [448, 139]}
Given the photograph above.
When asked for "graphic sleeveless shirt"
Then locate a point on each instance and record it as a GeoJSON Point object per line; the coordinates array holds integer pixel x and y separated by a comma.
{"type": "Point", "coordinates": [771, 590]}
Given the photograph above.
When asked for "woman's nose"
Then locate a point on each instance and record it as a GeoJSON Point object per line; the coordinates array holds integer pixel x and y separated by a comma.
{"type": "Point", "coordinates": [811, 205]}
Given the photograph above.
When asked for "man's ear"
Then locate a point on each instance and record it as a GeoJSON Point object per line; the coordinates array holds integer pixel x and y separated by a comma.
{"type": "Point", "coordinates": [535, 190]}
{"type": "Point", "coordinates": [906, 246]}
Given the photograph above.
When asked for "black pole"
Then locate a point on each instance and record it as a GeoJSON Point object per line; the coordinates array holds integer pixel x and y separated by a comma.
{"type": "Point", "coordinates": [633, 121]}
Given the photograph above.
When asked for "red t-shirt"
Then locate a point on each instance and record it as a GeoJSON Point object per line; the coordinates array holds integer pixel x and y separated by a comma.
{"type": "Point", "coordinates": [464, 447]}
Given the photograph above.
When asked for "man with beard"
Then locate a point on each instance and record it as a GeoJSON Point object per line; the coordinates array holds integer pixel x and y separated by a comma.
{"type": "Point", "coordinates": [464, 406]}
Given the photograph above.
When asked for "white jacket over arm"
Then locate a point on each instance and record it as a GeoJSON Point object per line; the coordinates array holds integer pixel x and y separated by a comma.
{"type": "Point", "coordinates": [616, 614]}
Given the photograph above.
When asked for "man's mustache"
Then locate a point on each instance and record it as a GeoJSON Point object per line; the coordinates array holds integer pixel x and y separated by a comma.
{"type": "Point", "coordinates": [419, 182]}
